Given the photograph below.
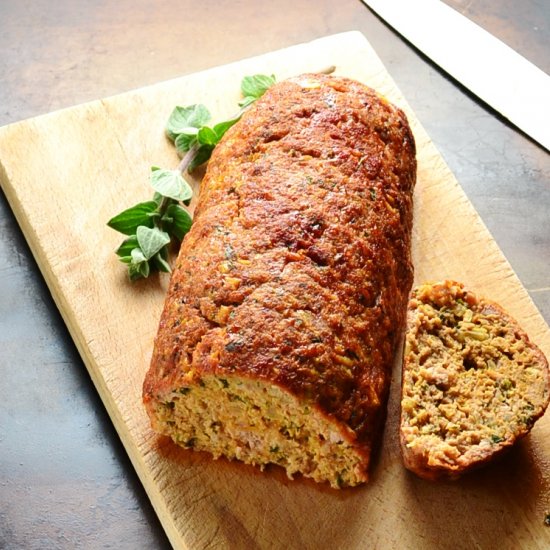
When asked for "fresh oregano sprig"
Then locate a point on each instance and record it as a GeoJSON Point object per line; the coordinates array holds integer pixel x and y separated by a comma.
{"type": "Point", "coordinates": [150, 226]}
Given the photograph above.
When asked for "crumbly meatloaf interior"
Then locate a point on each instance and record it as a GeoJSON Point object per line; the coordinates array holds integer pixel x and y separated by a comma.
{"type": "Point", "coordinates": [259, 423]}
{"type": "Point", "coordinates": [473, 383]}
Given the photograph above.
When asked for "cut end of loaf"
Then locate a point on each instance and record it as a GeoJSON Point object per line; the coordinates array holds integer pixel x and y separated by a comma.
{"type": "Point", "coordinates": [473, 383]}
{"type": "Point", "coordinates": [259, 424]}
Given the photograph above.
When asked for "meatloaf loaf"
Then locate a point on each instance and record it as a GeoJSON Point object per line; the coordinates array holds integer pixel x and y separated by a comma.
{"type": "Point", "coordinates": [289, 293]}
{"type": "Point", "coordinates": [473, 382]}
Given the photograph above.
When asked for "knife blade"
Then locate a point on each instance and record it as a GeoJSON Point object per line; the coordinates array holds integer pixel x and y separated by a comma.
{"type": "Point", "coordinates": [493, 71]}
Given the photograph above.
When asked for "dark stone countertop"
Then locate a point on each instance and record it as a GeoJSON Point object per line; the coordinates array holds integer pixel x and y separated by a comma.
{"type": "Point", "coordinates": [65, 479]}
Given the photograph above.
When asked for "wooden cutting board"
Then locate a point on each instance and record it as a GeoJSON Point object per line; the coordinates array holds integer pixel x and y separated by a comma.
{"type": "Point", "coordinates": [66, 173]}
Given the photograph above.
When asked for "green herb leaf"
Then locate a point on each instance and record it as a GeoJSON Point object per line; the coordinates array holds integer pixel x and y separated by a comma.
{"type": "Point", "coordinates": [160, 263]}
{"type": "Point", "coordinates": [127, 221]}
{"type": "Point", "coordinates": [139, 270]}
{"type": "Point", "coordinates": [256, 85]}
{"type": "Point", "coordinates": [190, 130]}
{"type": "Point", "coordinates": [170, 183]}
{"type": "Point", "coordinates": [203, 154]}
{"type": "Point", "coordinates": [207, 136]}
{"type": "Point", "coordinates": [157, 197]}
{"type": "Point", "coordinates": [222, 127]}
{"type": "Point", "coordinates": [138, 256]}
{"type": "Point", "coordinates": [125, 249]}
{"type": "Point", "coordinates": [181, 221]}
{"type": "Point", "coordinates": [138, 266]}
{"type": "Point", "coordinates": [150, 241]}
{"type": "Point", "coordinates": [246, 101]}
{"type": "Point", "coordinates": [184, 142]}
{"type": "Point", "coordinates": [183, 118]}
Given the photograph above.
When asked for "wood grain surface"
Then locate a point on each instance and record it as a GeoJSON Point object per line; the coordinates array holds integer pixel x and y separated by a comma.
{"type": "Point", "coordinates": [68, 172]}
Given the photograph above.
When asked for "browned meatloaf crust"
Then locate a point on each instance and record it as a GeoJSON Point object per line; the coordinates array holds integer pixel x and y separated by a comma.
{"type": "Point", "coordinates": [473, 382]}
{"type": "Point", "coordinates": [290, 291]}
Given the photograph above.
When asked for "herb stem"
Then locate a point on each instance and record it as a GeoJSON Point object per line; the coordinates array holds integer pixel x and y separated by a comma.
{"type": "Point", "coordinates": [161, 209]}
{"type": "Point", "coordinates": [188, 158]}
{"type": "Point", "coordinates": [327, 70]}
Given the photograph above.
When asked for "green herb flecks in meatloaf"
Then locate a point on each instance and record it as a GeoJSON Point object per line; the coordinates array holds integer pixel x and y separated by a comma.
{"type": "Point", "coordinates": [289, 293]}
{"type": "Point", "coordinates": [473, 382]}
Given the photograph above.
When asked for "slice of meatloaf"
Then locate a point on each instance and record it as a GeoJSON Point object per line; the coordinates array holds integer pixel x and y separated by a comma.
{"type": "Point", "coordinates": [473, 383]}
{"type": "Point", "coordinates": [289, 293]}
